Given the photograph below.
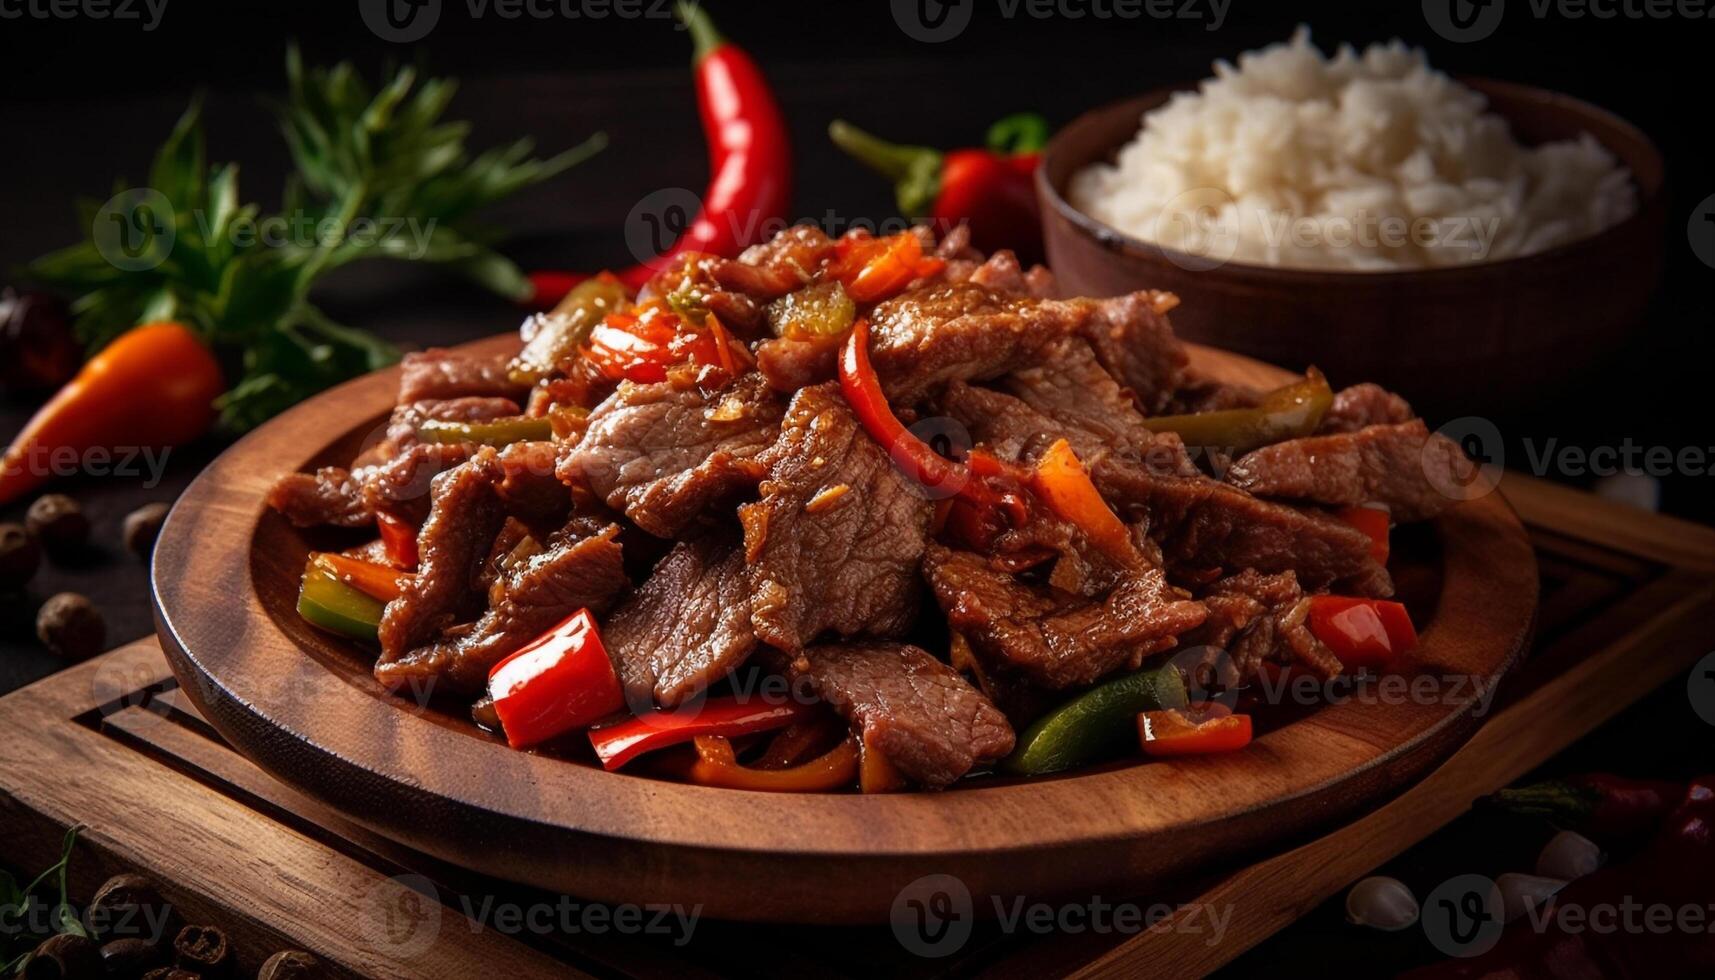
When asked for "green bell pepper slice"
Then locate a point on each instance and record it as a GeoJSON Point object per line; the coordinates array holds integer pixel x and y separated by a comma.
{"type": "Point", "coordinates": [1284, 413]}
{"type": "Point", "coordinates": [325, 601]}
{"type": "Point", "coordinates": [496, 432]}
{"type": "Point", "coordinates": [1096, 723]}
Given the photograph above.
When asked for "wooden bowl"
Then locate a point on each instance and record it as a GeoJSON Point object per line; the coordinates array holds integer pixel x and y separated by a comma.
{"type": "Point", "coordinates": [304, 706]}
{"type": "Point", "coordinates": [1456, 341]}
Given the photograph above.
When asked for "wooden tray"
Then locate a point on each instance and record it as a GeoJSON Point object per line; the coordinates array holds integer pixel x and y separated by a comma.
{"type": "Point", "coordinates": [304, 706]}
{"type": "Point", "coordinates": [1628, 603]}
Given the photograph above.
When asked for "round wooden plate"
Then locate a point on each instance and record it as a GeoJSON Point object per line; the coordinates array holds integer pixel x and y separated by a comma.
{"type": "Point", "coordinates": [303, 706]}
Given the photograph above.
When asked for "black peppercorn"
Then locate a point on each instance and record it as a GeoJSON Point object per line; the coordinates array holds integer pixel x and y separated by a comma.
{"type": "Point", "coordinates": [58, 523]}
{"type": "Point", "coordinates": [127, 959]}
{"type": "Point", "coordinates": [142, 526]}
{"type": "Point", "coordinates": [20, 556]}
{"type": "Point", "coordinates": [69, 624]}
{"type": "Point", "coordinates": [202, 949]}
{"type": "Point", "coordinates": [291, 964]}
{"type": "Point", "coordinates": [68, 957]}
{"type": "Point", "coordinates": [129, 906]}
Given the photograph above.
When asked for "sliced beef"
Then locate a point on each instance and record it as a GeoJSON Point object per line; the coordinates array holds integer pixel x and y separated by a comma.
{"type": "Point", "coordinates": [1101, 436]}
{"type": "Point", "coordinates": [791, 363]}
{"type": "Point", "coordinates": [1256, 618]}
{"type": "Point", "coordinates": [776, 267]}
{"type": "Point", "coordinates": [833, 544]}
{"type": "Point", "coordinates": [1073, 389]}
{"type": "Point", "coordinates": [1135, 342]}
{"type": "Point", "coordinates": [1202, 523]}
{"type": "Point", "coordinates": [330, 495]}
{"type": "Point", "coordinates": [663, 453]}
{"type": "Point", "coordinates": [1364, 405]}
{"type": "Point", "coordinates": [464, 519]}
{"type": "Point", "coordinates": [687, 626]}
{"type": "Point", "coordinates": [529, 486]}
{"type": "Point", "coordinates": [441, 374]}
{"type": "Point", "coordinates": [1410, 469]}
{"type": "Point", "coordinates": [937, 333]}
{"type": "Point", "coordinates": [402, 425]}
{"type": "Point", "coordinates": [581, 567]}
{"type": "Point", "coordinates": [916, 711]}
{"type": "Point", "coordinates": [1055, 639]}
{"type": "Point", "coordinates": [401, 485]}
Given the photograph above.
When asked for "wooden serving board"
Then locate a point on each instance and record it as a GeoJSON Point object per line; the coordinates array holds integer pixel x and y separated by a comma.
{"type": "Point", "coordinates": [1628, 603]}
{"type": "Point", "coordinates": [306, 707]}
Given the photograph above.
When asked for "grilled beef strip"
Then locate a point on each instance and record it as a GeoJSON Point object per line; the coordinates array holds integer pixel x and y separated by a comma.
{"type": "Point", "coordinates": [664, 453]}
{"type": "Point", "coordinates": [1255, 618]}
{"type": "Point", "coordinates": [1202, 523]}
{"type": "Point", "coordinates": [834, 543]}
{"type": "Point", "coordinates": [580, 567]}
{"type": "Point", "coordinates": [1364, 405]}
{"type": "Point", "coordinates": [1404, 466]}
{"type": "Point", "coordinates": [686, 627]}
{"type": "Point", "coordinates": [1135, 342]}
{"type": "Point", "coordinates": [916, 711]}
{"type": "Point", "coordinates": [933, 334]}
{"type": "Point", "coordinates": [438, 374]}
{"type": "Point", "coordinates": [1057, 639]}
{"type": "Point", "coordinates": [330, 495]}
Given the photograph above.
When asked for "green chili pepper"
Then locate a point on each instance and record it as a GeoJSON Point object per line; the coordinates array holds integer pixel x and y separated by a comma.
{"type": "Point", "coordinates": [1095, 723]}
{"type": "Point", "coordinates": [327, 602]}
{"type": "Point", "coordinates": [497, 432]}
{"type": "Point", "coordinates": [1284, 413]}
{"type": "Point", "coordinates": [559, 334]}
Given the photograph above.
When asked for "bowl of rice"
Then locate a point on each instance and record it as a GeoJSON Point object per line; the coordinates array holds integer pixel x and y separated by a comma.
{"type": "Point", "coordinates": [1466, 241]}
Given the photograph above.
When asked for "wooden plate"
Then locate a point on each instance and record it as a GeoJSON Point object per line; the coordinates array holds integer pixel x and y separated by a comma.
{"type": "Point", "coordinates": [304, 707]}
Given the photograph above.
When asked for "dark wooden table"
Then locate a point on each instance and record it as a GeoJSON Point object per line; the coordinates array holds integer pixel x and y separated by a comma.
{"type": "Point", "coordinates": [87, 100]}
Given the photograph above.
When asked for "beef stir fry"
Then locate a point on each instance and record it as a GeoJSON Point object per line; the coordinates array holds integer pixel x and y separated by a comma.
{"type": "Point", "coordinates": [867, 512]}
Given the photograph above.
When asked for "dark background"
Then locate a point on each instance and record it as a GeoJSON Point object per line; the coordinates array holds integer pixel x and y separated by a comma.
{"type": "Point", "coordinates": [86, 100]}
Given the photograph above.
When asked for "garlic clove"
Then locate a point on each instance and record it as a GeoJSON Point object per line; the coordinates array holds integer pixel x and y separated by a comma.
{"type": "Point", "coordinates": [1520, 893]}
{"type": "Point", "coordinates": [1381, 903]}
{"type": "Point", "coordinates": [1569, 856]}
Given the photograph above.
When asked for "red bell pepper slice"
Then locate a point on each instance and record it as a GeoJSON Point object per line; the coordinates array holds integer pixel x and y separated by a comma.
{"type": "Point", "coordinates": [1362, 632]}
{"type": "Point", "coordinates": [1374, 522]}
{"type": "Point", "coordinates": [1064, 485]}
{"type": "Point", "coordinates": [640, 346]}
{"type": "Point", "coordinates": [1174, 733]}
{"type": "Point", "coordinates": [399, 540]}
{"type": "Point", "coordinates": [728, 717]}
{"type": "Point", "coordinates": [862, 389]}
{"type": "Point", "coordinates": [375, 580]}
{"type": "Point", "coordinates": [561, 681]}
{"type": "Point", "coordinates": [873, 269]}
{"type": "Point", "coordinates": [717, 765]}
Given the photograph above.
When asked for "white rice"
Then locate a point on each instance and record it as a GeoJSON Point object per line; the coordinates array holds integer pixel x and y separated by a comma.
{"type": "Point", "coordinates": [1369, 161]}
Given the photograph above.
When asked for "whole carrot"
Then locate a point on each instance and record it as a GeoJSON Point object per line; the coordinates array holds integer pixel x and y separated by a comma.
{"type": "Point", "coordinates": [153, 387]}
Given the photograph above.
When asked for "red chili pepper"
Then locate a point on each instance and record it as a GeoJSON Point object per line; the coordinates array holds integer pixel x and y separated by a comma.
{"type": "Point", "coordinates": [1373, 521]}
{"type": "Point", "coordinates": [862, 389]}
{"type": "Point", "coordinates": [728, 717]}
{"type": "Point", "coordinates": [1362, 632]}
{"type": "Point", "coordinates": [750, 154]}
{"type": "Point", "coordinates": [1601, 805]}
{"type": "Point", "coordinates": [559, 682]}
{"type": "Point", "coordinates": [1174, 732]}
{"type": "Point", "coordinates": [1586, 932]}
{"type": "Point", "coordinates": [991, 189]}
{"type": "Point", "coordinates": [398, 540]}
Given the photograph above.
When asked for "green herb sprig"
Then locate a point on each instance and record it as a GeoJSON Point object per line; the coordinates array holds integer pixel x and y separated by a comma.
{"type": "Point", "coordinates": [17, 899]}
{"type": "Point", "coordinates": [378, 174]}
